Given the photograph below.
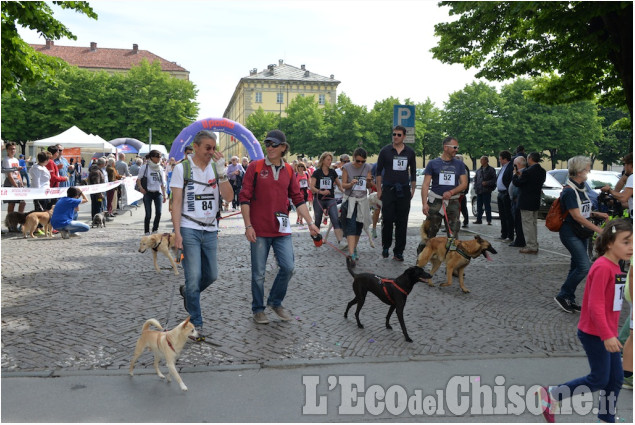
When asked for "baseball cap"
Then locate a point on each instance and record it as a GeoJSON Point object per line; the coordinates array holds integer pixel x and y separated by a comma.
{"type": "Point", "coordinates": [277, 137]}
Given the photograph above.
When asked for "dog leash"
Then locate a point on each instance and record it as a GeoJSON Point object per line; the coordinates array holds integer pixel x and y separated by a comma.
{"type": "Point", "coordinates": [167, 319]}
{"type": "Point", "coordinates": [447, 221]}
{"type": "Point", "coordinates": [336, 248]}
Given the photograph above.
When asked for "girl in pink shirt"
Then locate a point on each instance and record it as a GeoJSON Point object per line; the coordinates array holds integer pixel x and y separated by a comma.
{"type": "Point", "coordinates": [597, 329]}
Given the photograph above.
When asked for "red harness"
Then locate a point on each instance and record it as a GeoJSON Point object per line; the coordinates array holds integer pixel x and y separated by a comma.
{"type": "Point", "coordinates": [168, 341]}
{"type": "Point", "coordinates": [393, 283]}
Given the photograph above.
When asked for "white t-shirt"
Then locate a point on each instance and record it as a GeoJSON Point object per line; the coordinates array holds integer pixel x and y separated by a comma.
{"type": "Point", "coordinates": [40, 176]}
{"type": "Point", "coordinates": [629, 183]}
{"type": "Point", "coordinates": [156, 179]}
{"type": "Point", "coordinates": [199, 201]}
{"type": "Point", "coordinates": [8, 163]}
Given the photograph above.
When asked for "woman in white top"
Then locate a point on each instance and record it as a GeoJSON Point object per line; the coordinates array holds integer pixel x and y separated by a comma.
{"type": "Point", "coordinates": [356, 180]}
{"type": "Point", "coordinates": [41, 178]}
{"type": "Point", "coordinates": [155, 193]}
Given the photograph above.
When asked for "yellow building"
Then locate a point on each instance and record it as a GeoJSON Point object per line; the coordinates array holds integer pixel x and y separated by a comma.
{"type": "Point", "coordinates": [272, 90]}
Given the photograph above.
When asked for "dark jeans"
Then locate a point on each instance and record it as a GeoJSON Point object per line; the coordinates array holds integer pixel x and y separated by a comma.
{"type": "Point", "coordinates": [580, 263]}
{"type": "Point", "coordinates": [505, 213]}
{"type": "Point", "coordinates": [95, 204]}
{"type": "Point", "coordinates": [148, 199]}
{"type": "Point", "coordinates": [236, 185]}
{"type": "Point", "coordinates": [395, 212]}
{"type": "Point", "coordinates": [606, 376]}
{"type": "Point", "coordinates": [484, 200]}
{"type": "Point", "coordinates": [466, 216]}
{"type": "Point", "coordinates": [518, 225]}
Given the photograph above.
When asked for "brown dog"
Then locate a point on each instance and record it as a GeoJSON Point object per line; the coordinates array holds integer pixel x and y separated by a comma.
{"type": "Point", "coordinates": [15, 219]}
{"type": "Point", "coordinates": [163, 243]}
{"type": "Point", "coordinates": [164, 344]}
{"type": "Point", "coordinates": [456, 256]}
{"type": "Point", "coordinates": [34, 218]}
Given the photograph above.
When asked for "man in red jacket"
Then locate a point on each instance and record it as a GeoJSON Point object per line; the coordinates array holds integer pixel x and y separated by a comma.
{"type": "Point", "coordinates": [268, 184]}
{"type": "Point", "coordinates": [56, 179]}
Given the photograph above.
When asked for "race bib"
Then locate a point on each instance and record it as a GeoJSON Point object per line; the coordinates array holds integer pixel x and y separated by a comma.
{"type": "Point", "coordinates": [326, 183]}
{"type": "Point", "coordinates": [204, 205]}
{"type": "Point", "coordinates": [360, 185]}
{"type": "Point", "coordinates": [284, 223]}
{"type": "Point", "coordinates": [304, 184]}
{"type": "Point", "coordinates": [585, 209]}
{"type": "Point", "coordinates": [447, 178]}
{"type": "Point", "coordinates": [620, 283]}
{"type": "Point", "coordinates": [399, 163]}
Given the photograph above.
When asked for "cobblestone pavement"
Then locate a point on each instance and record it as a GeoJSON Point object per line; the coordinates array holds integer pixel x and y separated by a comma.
{"type": "Point", "coordinates": [79, 304]}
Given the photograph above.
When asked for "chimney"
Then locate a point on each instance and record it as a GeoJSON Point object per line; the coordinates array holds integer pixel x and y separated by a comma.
{"type": "Point", "coordinates": [253, 71]}
{"type": "Point", "coordinates": [303, 67]}
{"type": "Point", "coordinates": [93, 46]}
{"type": "Point", "coordinates": [135, 49]}
{"type": "Point", "coordinates": [49, 44]}
{"type": "Point", "coordinates": [280, 62]}
{"type": "Point", "coordinates": [306, 73]}
{"type": "Point", "coordinates": [332, 77]}
{"type": "Point", "coordinates": [270, 69]}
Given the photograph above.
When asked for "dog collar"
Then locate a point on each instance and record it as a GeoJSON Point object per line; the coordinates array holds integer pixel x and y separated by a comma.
{"type": "Point", "coordinates": [169, 343]}
{"type": "Point", "coordinates": [165, 235]}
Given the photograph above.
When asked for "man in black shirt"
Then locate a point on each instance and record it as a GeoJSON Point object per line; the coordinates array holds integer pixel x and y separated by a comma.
{"type": "Point", "coordinates": [395, 188]}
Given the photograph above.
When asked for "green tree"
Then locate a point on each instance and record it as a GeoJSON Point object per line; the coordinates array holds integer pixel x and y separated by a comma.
{"type": "Point", "coordinates": [120, 105]}
{"type": "Point", "coordinates": [616, 140]}
{"type": "Point", "coordinates": [380, 122]}
{"type": "Point", "coordinates": [304, 126]}
{"type": "Point", "coordinates": [562, 130]}
{"type": "Point", "coordinates": [472, 115]}
{"type": "Point", "coordinates": [428, 129]}
{"type": "Point", "coordinates": [584, 48]}
{"type": "Point", "coordinates": [345, 126]}
{"type": "Point", "coordinates": [261, 122]}
{"type": "Point", "coordinates": [21, 64]}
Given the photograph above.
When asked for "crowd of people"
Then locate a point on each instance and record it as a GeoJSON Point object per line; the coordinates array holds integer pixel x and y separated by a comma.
{"type": "Point", "coordinates": [267, 190]}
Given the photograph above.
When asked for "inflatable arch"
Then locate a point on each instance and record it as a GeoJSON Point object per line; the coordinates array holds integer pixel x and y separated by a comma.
{"type": "Point", "coordinates": [127, 145]}
{"type": "Point", "coordinates": [238, 131]}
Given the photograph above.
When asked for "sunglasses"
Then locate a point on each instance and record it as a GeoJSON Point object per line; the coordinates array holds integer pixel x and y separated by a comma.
{"type": "Point", "coordinates": [453, 147]}
{"type": "Point", "coordinates": [360, 161]}
{"type": "Point", "coordinates": [397, 135]}
{"type": "Point", "coordinates": [270, 144]}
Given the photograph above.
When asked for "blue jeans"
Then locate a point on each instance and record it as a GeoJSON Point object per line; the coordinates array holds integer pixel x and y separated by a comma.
{"type": "Point", "coordinates": [283, 250]}
{"type": "Point", "coordinates": [148, 199]}
{"type": "Point", "coordinates": [580, 263]}
{"type": "Point", "coordinates": [484, 199]}
{"type": "Point", "coordinates": [200, 266]}
{"type": "Point", "coordinates": [75, 227]}
{"type": "Point", "coordinates": [328, 205]}
{"type": "Point", "coordinates": [606, 375]}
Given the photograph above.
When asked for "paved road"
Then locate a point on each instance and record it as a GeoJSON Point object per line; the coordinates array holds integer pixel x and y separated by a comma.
{"type": "Point", "coordinates": [77, 305]}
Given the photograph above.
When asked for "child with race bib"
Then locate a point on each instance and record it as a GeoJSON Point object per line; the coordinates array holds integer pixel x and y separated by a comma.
{"type": "Point", "coordinates": [597, 329]}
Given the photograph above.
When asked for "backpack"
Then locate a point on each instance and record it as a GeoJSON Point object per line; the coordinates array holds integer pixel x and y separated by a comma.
{"type": "Point", "coordinates": [555, 216]}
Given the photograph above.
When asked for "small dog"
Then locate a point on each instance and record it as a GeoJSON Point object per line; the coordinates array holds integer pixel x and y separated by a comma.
{"type": "Point", "coordinates": [456, 258]}
{"type": "Point", "coordinates": [374, 203]}
{"type": "Point", "coordinates": [392, 292]}
{"type": "Point", "coordinates": [163, 243]}
{"type": "Point", "coordinates": [164, 344]}
{"type": "Point", "coordinates": [15, 219]}
{"type": "Point", "coordinates": [34, 218]}
{"type": "Point", "coordinates": [99, 220]}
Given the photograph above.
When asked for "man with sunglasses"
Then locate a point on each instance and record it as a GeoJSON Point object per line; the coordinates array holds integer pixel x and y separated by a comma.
{"type": "Point", "coordinates": [196, 202]}
{"type": "Point", "coordinates": [268, 185]}
{"type": "Point", "coordinates": [441, 199]}
{"type": "Point", "coordinates": [396, 183]}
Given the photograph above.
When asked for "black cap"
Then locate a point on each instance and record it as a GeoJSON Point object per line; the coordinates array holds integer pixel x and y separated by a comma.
{"type": "Point", "coordinates": [277, 137]}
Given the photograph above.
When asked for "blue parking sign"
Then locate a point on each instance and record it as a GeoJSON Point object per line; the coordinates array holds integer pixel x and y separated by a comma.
{"type": "Point", "coordinates": [404, 115]}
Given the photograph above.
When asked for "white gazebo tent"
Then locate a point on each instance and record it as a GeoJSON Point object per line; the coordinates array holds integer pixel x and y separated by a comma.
{"type": "Point", "coordinates": [146, 148]}
{"type": "Point", "coordinates": [76, 138]}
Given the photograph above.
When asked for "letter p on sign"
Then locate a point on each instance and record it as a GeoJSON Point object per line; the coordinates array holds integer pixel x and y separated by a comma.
{"type": "Point", "coordinates": [404, 115]}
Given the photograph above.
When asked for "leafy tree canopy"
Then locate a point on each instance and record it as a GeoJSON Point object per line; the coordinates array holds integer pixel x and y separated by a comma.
{"type": "Point", "coordinates": [21, 64]}
{"type": "Point", "coordinates": [582, 49]}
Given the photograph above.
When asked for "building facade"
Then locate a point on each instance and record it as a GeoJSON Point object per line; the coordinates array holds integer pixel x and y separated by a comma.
{"type": "Point", "coordinates": [272, 89]}
{"type": "Point", "coordinates": [109, 60]}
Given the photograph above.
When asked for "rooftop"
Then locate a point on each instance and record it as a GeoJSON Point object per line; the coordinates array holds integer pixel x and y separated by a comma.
{"type": "Point", "coordinates": [104, 58]}
{"type": "Point", "coordinates": [286, 72]}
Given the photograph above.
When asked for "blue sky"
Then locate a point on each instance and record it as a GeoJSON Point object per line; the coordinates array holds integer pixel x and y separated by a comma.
{"type": "Point", "coordinates": [375, 48]}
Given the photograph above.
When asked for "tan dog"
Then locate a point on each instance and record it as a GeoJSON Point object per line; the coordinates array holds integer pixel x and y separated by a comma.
{"type": "Point", "coordinates": [164, 344]}
{"type": "Point", "coordinates": [374, 203]}
{"type": "Point", "coordinates": [163, 243]}
{"type": "Point", "coordinates": [456, 257]}
{"type": "Point", "coordinates": [34, 218]}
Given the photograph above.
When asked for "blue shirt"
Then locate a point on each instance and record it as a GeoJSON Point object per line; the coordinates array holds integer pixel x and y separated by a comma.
{"type": "Point", "coordinates": [499, 182]}
{"type": "Point", "coordinates": [446, 175]}
{"type": "Point", "coordinates": [64, 212]}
